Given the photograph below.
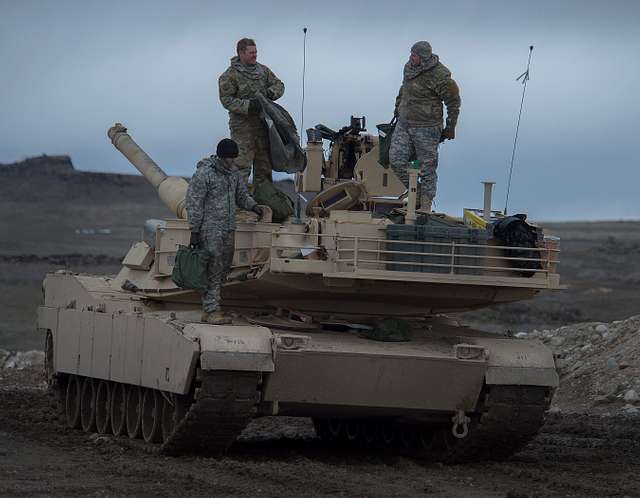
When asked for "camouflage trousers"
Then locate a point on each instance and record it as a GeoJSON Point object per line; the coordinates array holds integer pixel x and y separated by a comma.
{"type": "Point", "coordinates": [419, 142]}
{"type": "Point", "coordinates": [253, 148]}
{"type": "Point", "coordinates": [221, 245]}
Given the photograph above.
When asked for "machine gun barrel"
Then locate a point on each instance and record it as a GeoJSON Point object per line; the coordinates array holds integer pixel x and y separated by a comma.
{"type": "Point", "coordinates": [172, 190]}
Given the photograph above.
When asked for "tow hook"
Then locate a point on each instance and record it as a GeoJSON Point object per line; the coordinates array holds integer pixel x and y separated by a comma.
{"type": "Point", "coordinates": [460, 427]}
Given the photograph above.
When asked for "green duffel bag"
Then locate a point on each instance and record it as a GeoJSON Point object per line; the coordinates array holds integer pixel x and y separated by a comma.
{"type": "Point", "coordinates": [267, 194]}
{"type": "Point", "coordinates": [385, 132]}
{"type": "Point", "coordinates": [190, 270]}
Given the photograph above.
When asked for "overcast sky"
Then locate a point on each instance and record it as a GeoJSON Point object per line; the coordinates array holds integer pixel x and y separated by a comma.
{"type": "Point", "coordinates": [70, 69]}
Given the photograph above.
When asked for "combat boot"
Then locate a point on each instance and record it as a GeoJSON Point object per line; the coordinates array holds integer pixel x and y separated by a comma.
{"type": "Point", "coordinates": [217, 318]}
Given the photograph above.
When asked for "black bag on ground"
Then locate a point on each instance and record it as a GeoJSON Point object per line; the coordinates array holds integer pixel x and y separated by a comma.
{"type": "Point", "coordinates": [267, 193]}
{"type": "Point", "coordinates": [190, 270]}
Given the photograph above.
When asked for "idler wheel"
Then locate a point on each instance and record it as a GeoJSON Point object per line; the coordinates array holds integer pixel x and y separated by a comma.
{"type": "Point", "coordinates": [151, 416]}
{"type": "Point", "coordinates": [72, 402]}
{"type": "Point", "coordinates": [134, 411]}
{"type": "Point", "coordinates": [174, 408]}
{"type": "Point", "coordinates": [103, 402]}
{"type": "Point", "coordinates": [118, 409]}
{"type": "Point", "coordinates": [88, 405]}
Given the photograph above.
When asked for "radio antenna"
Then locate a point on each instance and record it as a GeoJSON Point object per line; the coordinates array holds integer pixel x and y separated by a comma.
{"type": "Point", "coordinates": [524, 77]}
{"type": "Point", "coordinates": [304, 70]}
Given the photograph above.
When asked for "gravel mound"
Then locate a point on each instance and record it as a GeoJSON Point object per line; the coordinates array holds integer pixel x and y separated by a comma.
{"type": "Point", "coordinates": [599, 365]}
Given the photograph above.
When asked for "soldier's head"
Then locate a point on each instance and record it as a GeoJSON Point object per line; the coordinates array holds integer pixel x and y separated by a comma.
{"type": "Point", "coordinates": [247, 51]}
{"type": "Point", "coordinates": [227, 150]}
{"type": "Point", "coordinates": [420, 52]}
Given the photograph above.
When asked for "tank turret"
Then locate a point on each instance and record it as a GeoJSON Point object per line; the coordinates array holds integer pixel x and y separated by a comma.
{"type": "Point", "coordinates": [171, 189]}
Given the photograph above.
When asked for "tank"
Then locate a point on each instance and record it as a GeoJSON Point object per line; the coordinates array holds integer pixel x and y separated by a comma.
{"type": "Point", "coordinates": [317, 303]}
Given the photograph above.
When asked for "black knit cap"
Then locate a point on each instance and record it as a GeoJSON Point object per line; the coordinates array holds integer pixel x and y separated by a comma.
{"type": "Point", "coordinates": [227, 148]}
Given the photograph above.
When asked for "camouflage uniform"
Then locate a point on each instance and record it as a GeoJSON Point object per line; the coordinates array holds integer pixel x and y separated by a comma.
{"type": "Point", "coordinates": [212, 196]}
{"type": "Point", "coordinates": [237, 86]}
{"type": "Point", "coordinates": [420, 114]}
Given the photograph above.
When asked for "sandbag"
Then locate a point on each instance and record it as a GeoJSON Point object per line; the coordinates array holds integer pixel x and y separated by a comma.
{"type": "Point", "coordinates": [279, 202]}
{"type": "Point", "coordinates": [190, 269]}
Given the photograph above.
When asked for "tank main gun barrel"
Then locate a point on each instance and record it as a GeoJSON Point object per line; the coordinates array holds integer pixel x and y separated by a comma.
{"type": "Point", "coordinates": [172, 190]}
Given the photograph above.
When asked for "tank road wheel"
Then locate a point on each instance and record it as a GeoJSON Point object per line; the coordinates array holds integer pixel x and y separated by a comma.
{"type": "Point", "coordinates": [388, 434]}
{"type": "Point", "coordinates": [369, 433]}
{"type": "Point", "coordinates": [426, 439]}
{"type": "Point", "coordinates": [174, 408]}
{"type": "Point", "coordinates": [88, 405]}
{"type": "Point", "coordinates": [72, 402]}
{"type": "Point", "coordinates": [134, 411]}
{"type": "Point", "coordinates": [352, 430]}
{"type": "Point", "coordinates": [118, 409]}
{"type": "Point", "coordinates": [151, 416]}
{"type": "Point", "coordinates": [335, 428]}
{"type": "Point", "coordinates": [103, 406]}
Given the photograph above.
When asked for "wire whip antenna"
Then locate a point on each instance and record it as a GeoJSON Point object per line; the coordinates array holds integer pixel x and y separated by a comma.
{"type": "Point", "coordinates": [304, 71]}
{"type": "Point", "coordinates": [524, 77]}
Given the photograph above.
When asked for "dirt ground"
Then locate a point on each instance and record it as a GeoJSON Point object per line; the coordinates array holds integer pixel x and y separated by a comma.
{"type": "Point", "coordinates": [574, 455]}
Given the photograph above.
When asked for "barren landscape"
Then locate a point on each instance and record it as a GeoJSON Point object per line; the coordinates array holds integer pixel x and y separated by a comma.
{"type": "Point", "coordinates": [57, 217]}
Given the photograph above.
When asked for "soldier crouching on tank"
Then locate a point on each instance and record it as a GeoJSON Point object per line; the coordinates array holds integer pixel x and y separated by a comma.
{"type": "Point", "coordinates": [426, 84]}
{"type": "Point", "coordinates": [239, 86]}
{"type": "Point", "coordinates": [214, 191]}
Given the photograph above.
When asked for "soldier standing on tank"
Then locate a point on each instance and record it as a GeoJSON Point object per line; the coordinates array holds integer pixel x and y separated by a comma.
{"type": "Point", "coordinates": [214, 191]}
{"type": "Point", "coordinates": [426, 84]}
{"type": "Point", "coordinates": [239, 86]}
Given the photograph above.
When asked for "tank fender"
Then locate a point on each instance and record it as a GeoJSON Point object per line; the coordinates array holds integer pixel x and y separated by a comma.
{"type": "Point", "coordinates": [518, 362]}
{"type": "Point", "coordinates": [233, 347]}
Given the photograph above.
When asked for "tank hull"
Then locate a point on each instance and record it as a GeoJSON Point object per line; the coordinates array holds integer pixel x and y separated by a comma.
{"type": "Point", "coordinates": [186, 367]}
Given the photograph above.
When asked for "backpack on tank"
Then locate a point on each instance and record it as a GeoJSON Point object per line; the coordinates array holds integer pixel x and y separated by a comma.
{"type": "Point", "coordinates": [267, 194]}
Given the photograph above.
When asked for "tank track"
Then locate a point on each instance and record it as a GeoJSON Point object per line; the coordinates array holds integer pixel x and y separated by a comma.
{"type": "Point", "coordinates": [224, 404]}
{"type": "Point", "coordinates": [508, 418]}
{"type": "Point", "coordinates": [207, 421]}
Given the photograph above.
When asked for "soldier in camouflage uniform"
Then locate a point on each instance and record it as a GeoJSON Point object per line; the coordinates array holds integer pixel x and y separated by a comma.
{"type": "Point", "coordinates": [427, 83]}
{"type": "Point", "coordinates": [238, 87]}
{"type": "Point", "coordinates": [214, 191]}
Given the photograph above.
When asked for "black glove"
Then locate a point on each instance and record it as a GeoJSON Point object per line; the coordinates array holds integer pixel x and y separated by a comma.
{"type": "Point", "coordinates": [447, 134]}
{"type": "Point", "coordinates": [194, 241]}
{"type": "Point", "coordinates": [254, 106]}
{"type": "Point", "coordinates": [259, 211]}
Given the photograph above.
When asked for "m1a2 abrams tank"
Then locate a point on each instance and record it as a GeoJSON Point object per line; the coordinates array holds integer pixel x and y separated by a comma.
{"type": "Point", "coordinates": [128, 355]}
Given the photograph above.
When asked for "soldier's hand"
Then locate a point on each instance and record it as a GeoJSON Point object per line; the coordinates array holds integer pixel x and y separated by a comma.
{"type": "Point", "coordinates": [194, 241]}
{"type": "Point", "coordinates": [259, 211]}
{"type": "Point", "coordinates": [254, 106]}
{"type": "Point", "coordinates": [447, 134]}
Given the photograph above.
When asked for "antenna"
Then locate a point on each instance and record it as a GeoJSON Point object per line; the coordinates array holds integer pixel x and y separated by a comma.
{"type": "Point", "coordinates": [304, 70]}
{"type": "Point", "coordinates": [524, 77]}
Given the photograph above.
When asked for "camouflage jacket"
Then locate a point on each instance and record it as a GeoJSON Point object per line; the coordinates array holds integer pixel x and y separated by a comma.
{"type": "Point", "coordinates": [419, 102]}
{"type": "Point", "coordinates": [236, 90]}
{"type": "Point", "coordinates": [212, 196]}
